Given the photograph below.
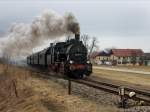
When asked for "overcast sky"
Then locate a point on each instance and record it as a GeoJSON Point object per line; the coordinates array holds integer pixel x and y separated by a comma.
{"type": "Point", "coordinates": [116, 23]}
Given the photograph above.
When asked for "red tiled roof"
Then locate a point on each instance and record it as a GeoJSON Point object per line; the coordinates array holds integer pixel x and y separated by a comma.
{"type": "Point", "coordinates": [127, 52]}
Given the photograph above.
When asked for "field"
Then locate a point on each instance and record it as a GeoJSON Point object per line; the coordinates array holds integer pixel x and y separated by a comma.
{"type": "Point", "coordinates": [133, 78]}
{"type": "Point", "coordinates": [22, 91]}
{"type": "Point", "coordinates": [130, 67]}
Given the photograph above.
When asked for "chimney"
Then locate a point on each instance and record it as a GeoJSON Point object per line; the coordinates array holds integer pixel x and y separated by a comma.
{"type": "Point", "coordinates": [77, 36]}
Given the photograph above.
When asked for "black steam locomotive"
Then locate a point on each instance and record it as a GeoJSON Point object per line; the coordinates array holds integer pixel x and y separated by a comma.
{"type": "Point", "coordinates": [68, 58]}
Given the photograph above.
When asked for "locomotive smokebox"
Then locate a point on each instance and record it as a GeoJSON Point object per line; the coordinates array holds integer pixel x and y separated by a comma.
{"type": "Point", "coordinates": [77, 36]}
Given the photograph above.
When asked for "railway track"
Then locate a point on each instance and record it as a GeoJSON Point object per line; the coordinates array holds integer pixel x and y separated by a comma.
{"type": "Point", "coordinates": [141, 95]}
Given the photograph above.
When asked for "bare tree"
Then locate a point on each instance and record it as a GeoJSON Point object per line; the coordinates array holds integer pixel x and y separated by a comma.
{"type": "Point", "coordinates": [5, 59]}
{"type": "Point", "coordinates": [94, 45]}
{"type": "Point", "coordinates": [91, 43]}
{"type": "Point", "coordinates": [85, 39]}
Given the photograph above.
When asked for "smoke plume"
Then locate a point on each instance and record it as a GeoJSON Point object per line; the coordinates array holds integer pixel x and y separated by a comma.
{"type": "Point", "coordinates": [49, 25]}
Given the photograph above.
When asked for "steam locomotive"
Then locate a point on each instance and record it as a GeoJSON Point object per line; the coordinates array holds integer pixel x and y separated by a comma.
{"type": "Point", "coordinates": [68, 58]}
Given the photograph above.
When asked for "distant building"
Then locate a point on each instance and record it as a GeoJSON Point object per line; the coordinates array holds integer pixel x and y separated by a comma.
{"type": "Point", "coordinates": [146, 59]}
{"type": "Point", "coordinates": [93, 57]}
{"type": "Point", "coordinates": [120, 56]}
{"type": "Point", "coordinates": [127, 56]}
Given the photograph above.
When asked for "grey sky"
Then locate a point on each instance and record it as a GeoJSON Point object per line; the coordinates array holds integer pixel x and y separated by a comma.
{"type": "Point", "coordinates": [118, 23]}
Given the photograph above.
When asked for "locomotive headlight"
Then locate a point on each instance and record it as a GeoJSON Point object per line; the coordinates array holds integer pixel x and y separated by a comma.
{"type": "Point", "coordinates": [70, 61]}
{"type": "Point", "coordinates": [88, 62]}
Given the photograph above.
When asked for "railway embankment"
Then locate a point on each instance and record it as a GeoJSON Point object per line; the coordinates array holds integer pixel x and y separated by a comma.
{"type": "Point", "coordinates": [30, 92]}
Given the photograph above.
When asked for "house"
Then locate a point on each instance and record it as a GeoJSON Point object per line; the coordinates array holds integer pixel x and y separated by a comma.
{"type": "Point", "coordinates": [93, 57]}
{"type": "Point", "coordinates": [120, 56]}
{"type": "Point", "coordinates": [146, 59]}
{"type": "Point", "coordinates": [102, 57]}
{"type": "Point", "coordinates": [127, 56]}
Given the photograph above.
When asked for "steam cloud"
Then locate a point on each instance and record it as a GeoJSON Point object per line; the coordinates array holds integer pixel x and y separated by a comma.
{"type": "Point", "coordinates": [49, 25]}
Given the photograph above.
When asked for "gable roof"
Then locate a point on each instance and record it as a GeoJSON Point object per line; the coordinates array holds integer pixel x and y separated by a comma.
{"type": "Point", "coordinates": [104, 53]}
{"type": "Point", "coordinates": [127, 52]}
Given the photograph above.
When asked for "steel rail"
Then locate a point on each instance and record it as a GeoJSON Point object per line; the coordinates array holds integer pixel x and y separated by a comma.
{"type": "Point", "coordinates": [108, 87]}
{"type": "Point", "coordinates": [140, 95]}
{"type": "Point", "coordinates": [142, 92]}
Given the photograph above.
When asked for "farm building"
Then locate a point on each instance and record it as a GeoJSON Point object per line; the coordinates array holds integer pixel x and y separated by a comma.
{"type": "Point", "coordinates": [120, 56]}
{"type": "Point", "coordinates": [146, 59]}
